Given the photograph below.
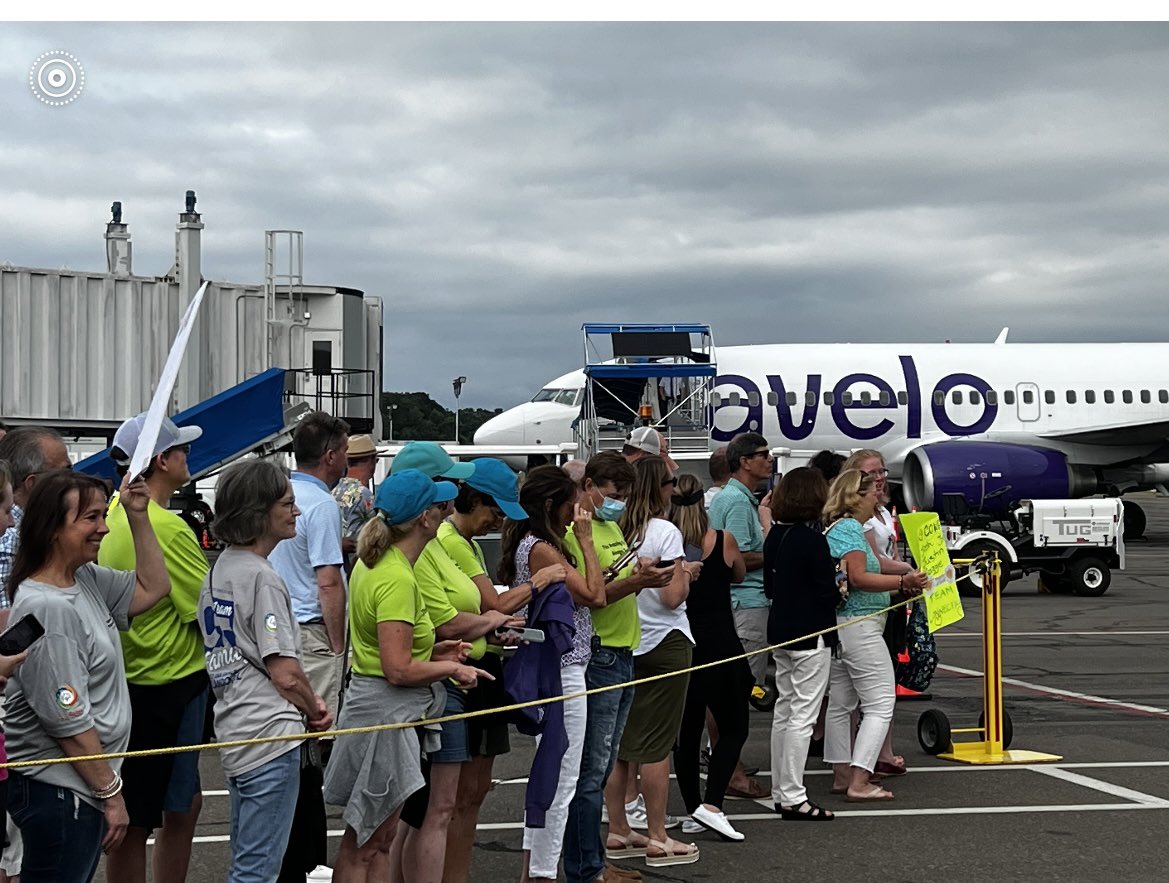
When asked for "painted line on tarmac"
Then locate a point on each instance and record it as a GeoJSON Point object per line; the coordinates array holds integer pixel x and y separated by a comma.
{"type": "Point", "coordinates": [1072, 696]}
{"type": "Point", "coordinates": [1059, 634]}
{"type": "Point", "coordinates": [1102, 786]}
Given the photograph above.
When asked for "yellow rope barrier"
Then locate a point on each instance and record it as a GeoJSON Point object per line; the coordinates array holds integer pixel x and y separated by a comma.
{"type": "Point", "coordinates": [353, 731]}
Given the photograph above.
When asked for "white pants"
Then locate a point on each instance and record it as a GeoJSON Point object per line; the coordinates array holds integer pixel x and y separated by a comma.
{"type": "Point", "coordinates": [545, 843]}
{"type": "Point", "coordinates": [863, 673]}
{"type": "Point", "coordinates": [801, 677]}
{"type": "Point", "coordinates": [751, 626]}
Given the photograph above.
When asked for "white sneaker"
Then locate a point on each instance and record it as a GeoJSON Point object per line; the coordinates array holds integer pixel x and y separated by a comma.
{"type": "Point", "coordinates": [717, 822]}
{"type": "Point", "coordinates": [635, 816]}
{"type": "Point", "coordinates": [319, 874]}
{"type": "Point", "coordinates": [689, 826]}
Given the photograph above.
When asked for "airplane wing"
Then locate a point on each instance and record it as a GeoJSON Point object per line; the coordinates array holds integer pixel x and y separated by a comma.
{"type": "Point", "coordinates": [1128, 434]}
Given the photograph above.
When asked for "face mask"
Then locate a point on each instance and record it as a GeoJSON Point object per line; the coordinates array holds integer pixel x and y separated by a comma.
{"type": "Point", "coordinates": [610, 509]}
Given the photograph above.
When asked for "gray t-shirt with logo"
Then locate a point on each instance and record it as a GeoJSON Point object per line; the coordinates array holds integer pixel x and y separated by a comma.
{"type": "Point", "coordinates": [74, 678]}
{"type": "Point", "coordinates": [245, 615]}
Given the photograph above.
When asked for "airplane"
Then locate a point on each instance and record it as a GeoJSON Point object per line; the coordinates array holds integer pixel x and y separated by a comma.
{"type": "Point", "coordinates": [994, 422]}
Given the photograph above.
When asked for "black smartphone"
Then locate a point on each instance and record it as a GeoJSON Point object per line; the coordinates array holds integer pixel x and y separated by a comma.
{"type": "Point", "coordinates": [665, 562]}
{"type": "Point", "coordinates": [21, 636]}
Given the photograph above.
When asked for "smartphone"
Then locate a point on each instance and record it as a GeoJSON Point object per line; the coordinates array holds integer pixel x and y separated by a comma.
{"type": "Point", "coordinates": [617, 566]}
{"type": "Point", "coordinates": [532, 636]}
{"type": "Point", "coordinates": [666, 562]}
{"type": "Point", "coordinates": [21, 636]}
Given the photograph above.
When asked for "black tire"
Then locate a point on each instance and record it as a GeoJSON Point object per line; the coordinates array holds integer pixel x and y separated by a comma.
{"type": "Point", "coordinates": [766, 703]}
{"type": "Point", "coordinates": [1135, 521]}
{"type": "Point", "coordinates": [933, 732]}
{"type": "Point", "coordinates": [1090, 576]}
{"type": "Point", "coordinates": [971, 587]}
{"type": "Point", "coordinates": [1008, 728]}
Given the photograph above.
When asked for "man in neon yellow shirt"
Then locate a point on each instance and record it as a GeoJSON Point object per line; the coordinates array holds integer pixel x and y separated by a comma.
{"type": "Point", "coordinates": [164, 665]}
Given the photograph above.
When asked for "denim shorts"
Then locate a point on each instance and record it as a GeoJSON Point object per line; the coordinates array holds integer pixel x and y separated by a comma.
{"type": "Point", "coordinates": [454, 733]}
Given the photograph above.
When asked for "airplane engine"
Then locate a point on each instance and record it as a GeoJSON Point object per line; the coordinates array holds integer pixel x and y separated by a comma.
{"type": "Point", "coordinates": [990, 476]}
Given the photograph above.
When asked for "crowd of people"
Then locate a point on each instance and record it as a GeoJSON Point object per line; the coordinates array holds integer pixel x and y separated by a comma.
{"type": "Point", "coordinates": [338, 605]}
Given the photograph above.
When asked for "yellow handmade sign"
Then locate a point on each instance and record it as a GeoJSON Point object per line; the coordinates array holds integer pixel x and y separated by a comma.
{"type": "Point", "coordinates": [923, 533]}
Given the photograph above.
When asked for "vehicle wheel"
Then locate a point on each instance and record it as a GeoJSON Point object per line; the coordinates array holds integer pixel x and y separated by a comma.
{"type": "Point", "coordinates": [1134, 520]}
{"type": "Point", "coordinates": [1008, 728]}
{"type": "Point", "coordinates": [972, 587]}
{"type": "Point", "coordinates": [1090, 576]}
{"type": "Point", "coordinates": [763, 698]}
{"type": "Point", "coordinates": [933, 732]}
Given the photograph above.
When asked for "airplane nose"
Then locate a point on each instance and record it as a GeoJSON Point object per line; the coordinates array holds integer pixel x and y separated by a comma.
{"type": "Point", "coordinates": [500, 431]}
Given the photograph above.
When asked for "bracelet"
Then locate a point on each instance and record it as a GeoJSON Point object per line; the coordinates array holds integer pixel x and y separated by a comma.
{"type": "Point", "coordinates": [113, 789]}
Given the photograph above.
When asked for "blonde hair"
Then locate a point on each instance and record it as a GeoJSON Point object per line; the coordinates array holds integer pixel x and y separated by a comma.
{"type": "Point", "coordinates": [377, 536]}
{"type": "Point", "coordinates": [857, 457]}
{"type": "Point", "coordinates": [692, 520]}
{"type": "Point", "coordinates": [845, 494]}
{"type": "Point", "coordinates": [645, 499]}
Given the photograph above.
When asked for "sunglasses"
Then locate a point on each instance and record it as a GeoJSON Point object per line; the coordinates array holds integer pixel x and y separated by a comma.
{"type": "Point", "coordinates": [764, 453]}
{"type": "Point", "coordinates": [670, 482]}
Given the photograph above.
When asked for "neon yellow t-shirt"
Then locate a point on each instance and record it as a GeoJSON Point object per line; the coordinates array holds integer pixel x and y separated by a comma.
{"type": "Point", "coordinates": [164, 643]}
{"type": "Point", "coordinates": [465, 553]}
{"type": "Point", "coordinates": [446, 590]}
{"type": "Point", "coordinates": [616, 624]}
{"type": "Point", "coordinates": [386, 592]}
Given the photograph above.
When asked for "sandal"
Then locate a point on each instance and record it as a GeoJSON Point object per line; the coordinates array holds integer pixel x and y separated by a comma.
{"type": "Point", "coordinates": [627, 847]}
{"type": "Point", "coordinates": [875, 793]}
{"type": "Point", "coordinates": [672, 853]}
{"type": "Point", "coordinates": [814, 813]}
{"type": "Point", "coordinates": [754, 791]}
{"type": "Point", "coordinates": [884, 768]}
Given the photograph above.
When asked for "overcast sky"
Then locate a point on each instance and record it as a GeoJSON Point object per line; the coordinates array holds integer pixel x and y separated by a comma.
{"type": "Point", "coordinates": [497, 185]}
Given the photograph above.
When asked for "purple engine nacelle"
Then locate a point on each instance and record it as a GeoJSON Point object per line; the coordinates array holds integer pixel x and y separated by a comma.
{"type": "Point", "coordinates": [978, 469]}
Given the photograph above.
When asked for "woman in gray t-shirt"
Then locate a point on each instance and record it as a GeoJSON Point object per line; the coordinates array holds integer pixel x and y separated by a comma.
{"type": "Point", "coordinates": [252, 646]}
{"type": "Point", "coordinates": [70, 697]}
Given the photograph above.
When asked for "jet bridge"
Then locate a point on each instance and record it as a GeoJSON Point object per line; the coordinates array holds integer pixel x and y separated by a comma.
{"type": "Point", "coordinates": [647, 375]}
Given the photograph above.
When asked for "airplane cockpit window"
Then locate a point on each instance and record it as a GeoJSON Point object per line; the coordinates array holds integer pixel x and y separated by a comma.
{"type": "Point", "coordinates": [1146, 397]}
{"type": "Point", "coordinates": [1090, 396]}
{"type": "Point", "coordinates": [567, 396]}
{"type": "Point", "coordinates": [545, 395]}
{"type": "Point", "coordinates": [1071, 396]}
{"type": "Point", "coordinates": [1109, 397]}
{"type": "Point", "coordinates": [1126, 396]}
{"type": "Point", "coordinates": [1049, 396]}
{"type": "Point", "coordinates": [1008, 397]}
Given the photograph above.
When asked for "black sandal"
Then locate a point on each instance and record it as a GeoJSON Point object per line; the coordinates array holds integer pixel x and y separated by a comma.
{"type": "Point", "coordinates": [814, 814]}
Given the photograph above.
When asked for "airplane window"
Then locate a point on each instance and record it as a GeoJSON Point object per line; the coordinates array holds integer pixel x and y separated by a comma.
{"type": "Point", "coordinates": [1146, 397]}
{"type": "Point", "coordinates": [1008, 397]}
{"type": "Point", "coordinates": [884, 397]}
{"type": "Point", "coordinates": [753, 398]}
{"type": "Point", "coordinates": [735, 399]}
{"type": "Point", "coordinates": [1028, 397]}
{"type": "Point", "coordinates": [1071, 396]}
{"type": "Point", "coordinates": [866, 398]}
{"type": "Point", "coordinates": [1090, 396]}
{"type": "Point", "coordinates": [810, 399]}
{"type": "Point", "coordinates": [545, 395]}
{"type": "Point", "coordinates": [567, 396]}
{"type": "Point", "coordinates": [1049, 396]}
{"type": "Point", "coordinates": [716, 399]}
{"type": "Point", "coordinates": [902, 397]}
{"type": "Point", "coordinates": [956, 397]}
{"type": "Point", "coordinates": [1109, 397]}
{"type": "Point", "coordinates": [846, 398]}
{"type": "Point", "coordinates": [975, 398]}
{"type": "Point", "coordinates": [829, 398]}
{"type": "Point", "coordinates": [1163, 396]}
{"type": "Point", "coordinates": [772, 398]}
{"type": "Point", "coordinates": [1126, 395]}
{"type": "Point", "coordinates": [992, 397]}
{"type": "Point", "coordinates": [939, 397]}
{"type": "Point", "coordinates": [791, 399]}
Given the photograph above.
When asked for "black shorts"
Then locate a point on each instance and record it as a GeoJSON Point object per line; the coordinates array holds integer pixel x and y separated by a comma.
{"type": "Point", "coordinates": [414, 809]}
{"type": "Point", "coordinates": [158, 713]}
{"type": "Point", "coordinates": [488, 736]}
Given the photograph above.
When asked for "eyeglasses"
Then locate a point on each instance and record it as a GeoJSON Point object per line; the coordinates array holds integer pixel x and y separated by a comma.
{"type": "Point", "coordinates": [670, 482]}
{"type": "Point", "coordinates": [289, 504]}
{"type": "Point", "coordinates": [763, 453]}
{"type": "Point", "coordinates": [876, 473]}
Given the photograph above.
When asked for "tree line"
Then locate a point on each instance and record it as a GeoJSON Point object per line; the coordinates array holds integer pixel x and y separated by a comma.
{"type": "Point", "coordinates": [418, 417]}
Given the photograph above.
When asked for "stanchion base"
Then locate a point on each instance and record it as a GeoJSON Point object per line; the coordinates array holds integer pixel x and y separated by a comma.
{"type": "Point", "coordinates": [980, 753]}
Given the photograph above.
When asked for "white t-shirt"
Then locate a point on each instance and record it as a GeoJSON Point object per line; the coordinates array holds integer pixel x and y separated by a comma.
{"type": "Point", "coordinates": [662, 541]}
{"type": "Point", "coordinates": [709, 496]}
{"type": "Point", "coordinates": [881, 526]}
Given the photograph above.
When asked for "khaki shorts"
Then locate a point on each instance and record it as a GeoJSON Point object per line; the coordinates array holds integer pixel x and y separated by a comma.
{"type": "Point", "coordinates": [325, 670]}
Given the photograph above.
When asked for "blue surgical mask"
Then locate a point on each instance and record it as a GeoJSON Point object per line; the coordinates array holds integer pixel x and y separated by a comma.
{"type": "Point", "coordinates": [610, 509]}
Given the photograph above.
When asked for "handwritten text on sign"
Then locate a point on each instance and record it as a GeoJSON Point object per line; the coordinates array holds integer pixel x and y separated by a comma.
{"type": "Point", "coordinates": [923, 532]}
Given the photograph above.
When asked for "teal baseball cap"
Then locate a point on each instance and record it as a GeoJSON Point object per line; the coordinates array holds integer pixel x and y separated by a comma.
{"type": "Point", "coordinates": [429, 458]}
{"type": "Point", "coordinates": [496, 479]}
{"type": "Point", "coordinates": [408, 493]}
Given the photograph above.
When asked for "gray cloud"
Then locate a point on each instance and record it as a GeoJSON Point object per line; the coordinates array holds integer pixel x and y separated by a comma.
{"type": "Point", "coordinates": [499, 184]}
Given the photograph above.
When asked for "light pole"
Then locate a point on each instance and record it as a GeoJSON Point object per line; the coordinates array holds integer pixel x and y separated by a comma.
{"type": "Point", "coordinates": [392, 409]}
{"type": "Point", "coordinates": [457, 383]}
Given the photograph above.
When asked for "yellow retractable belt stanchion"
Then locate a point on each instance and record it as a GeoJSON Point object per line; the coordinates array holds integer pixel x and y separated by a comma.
{"type": "Point", "coordinates": [933, 728]}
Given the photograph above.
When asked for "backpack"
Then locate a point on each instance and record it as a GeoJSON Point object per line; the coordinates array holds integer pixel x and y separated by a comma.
{"type": "Point", "coordinates": [917, 673]}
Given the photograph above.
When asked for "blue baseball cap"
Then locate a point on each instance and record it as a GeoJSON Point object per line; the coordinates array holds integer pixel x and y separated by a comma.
{"type": "Point", "coordinates": [495, 478]}
{"type": "Point", "coordinates": [409, 493]}
{"type": "Point", "coordinates": [429, 458]}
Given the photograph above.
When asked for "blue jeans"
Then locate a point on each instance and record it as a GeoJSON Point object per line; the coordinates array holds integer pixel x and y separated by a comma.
{"type": "Point", "coordinates": [584, 851]}
{"type": "Point", "coordinates": [262, 804]}
{"type": "Point", "coordinates": [61, 832]}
